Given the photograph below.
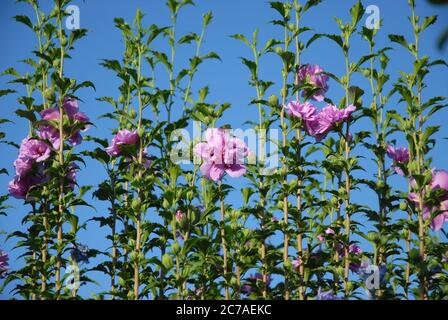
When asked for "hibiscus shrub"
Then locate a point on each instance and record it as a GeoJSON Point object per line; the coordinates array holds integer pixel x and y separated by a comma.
{"type": "Point", "coordinates": [299, 233]}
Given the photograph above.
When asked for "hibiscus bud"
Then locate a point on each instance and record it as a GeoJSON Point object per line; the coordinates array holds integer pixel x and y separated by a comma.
{"type": "Point", "coordinates": [133, 256]}
{"type": "Point", "coordinates": [167, 261]}
{"type": "Point", "coordinates": [135, 204]}
{"type": "Point", "coordinates": [384, 59]}
{"type": "Point", "coordinates": [403, 206]}
{"type": "Point", "coordinates": [176, 247]}
{"type": "Point", "coordinates": [63, 40]}
{"type": "Point", "coordinates": [121, 99]}
{"type": "Point", "coordinates": [380, 184]}
{"type": "Point", "coordinates": [366, 72]}
{"type": "Point", "coordinates": [273, 100]}
{"type": "Point", "coordinates": [49, 94]}
{"type": "Point", "coordinates": [56, 63]}
{"type": "Point", "coordinates": [133, 113]}
{"type": "Point", "coordinates": [141, 132]}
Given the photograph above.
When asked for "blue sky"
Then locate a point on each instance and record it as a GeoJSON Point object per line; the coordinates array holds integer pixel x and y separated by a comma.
{"type": "Point", "coordinates": [228, 80]}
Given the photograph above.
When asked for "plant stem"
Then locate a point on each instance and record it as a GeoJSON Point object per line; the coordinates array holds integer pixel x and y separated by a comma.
{"type": "Point", "coordinates": [223, 240]}
{"type": "Point", "coordinates": [140, 173]}
{"type": "Point", "coordinates": [61, 163]}
{"type": "Point", "coordinates": [347, 185]}
{"type": "Point", "coordinates": [285, 170]}
{"type": "Point", "coordinates": [299, 177]}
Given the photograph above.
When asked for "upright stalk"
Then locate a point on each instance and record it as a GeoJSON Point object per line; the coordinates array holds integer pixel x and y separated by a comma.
{"type": "Point", "coordinates": [299, 156]}
{"type": "Point", "coordinates": [285, 168]}
{"type": "Point", "coordinates": [347, 183]}
{"type": "Point", "coordinates": [223, 241]}
{"type": "Point", "coordinates": [140, 161]}
{"type": "Point", "coordinates": [61, 163]}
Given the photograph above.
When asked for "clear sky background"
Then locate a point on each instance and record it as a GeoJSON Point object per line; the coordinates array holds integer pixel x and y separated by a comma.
{"type": "Point", "coordinates": [228, 80]}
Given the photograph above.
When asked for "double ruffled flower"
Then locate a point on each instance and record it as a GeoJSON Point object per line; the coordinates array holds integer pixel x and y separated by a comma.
{"type": "Point", "coordinates": [71, 110]}
{"type": "Point", "coordinates": [399, 156]}
{"type": "Point", "coordinates": [221, 154]}
{"type": "Point", "coordinates": [319, 124]}
{"type": "Point", "coordinates": [122, 138]}
{"type": "Point", "coordinates": [439, 181]}
{"type": "Point", "coordinates": [312, 75]}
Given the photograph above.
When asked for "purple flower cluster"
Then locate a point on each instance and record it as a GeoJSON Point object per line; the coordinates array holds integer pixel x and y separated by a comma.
{"type": "Point", "coordinates": [33, 152]}
{"type": "Point", "coordinates": [29, 169]}
{"type": "Point", "coordinates": [318, 124]}
{"type": "Point", "coordinates": [312, 75]}
{"type": "Point", "coordinates": [71, 111]}
{"type": "Point", "coordinates": [3, 263]}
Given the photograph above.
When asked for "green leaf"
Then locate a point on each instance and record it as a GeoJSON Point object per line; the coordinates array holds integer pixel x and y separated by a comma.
{"type": "Point", "coordinates": [427, 22]}
{"type": "Point", "coordinates": [356, 12]}
{"type": "Point", "coordinates": [334, 37]}
{"type": "Point", "coordinates": [85, 84]}
{"type": "Point", "coordinates": [188, 38]}
{"type": "Point", "coordinates": [310, 3]}
{"type": "Point", "coordinates": [211, 55]}
{"type": "Point", "coordinates": [27, 114]}
{"type": "Point", "coordinates": [6, 92]}
{"type": "Point", "coordinates": [241, 38]}
{"type": "Point", "coordinates": [252, 67]}
{"type": "Point", "coordinates": [399, 39]}
{"type": "Point", "coordinates": [111, 65]}
{"type": "Point", "coordinates": [76, 35]}
{"type": "Point", "coordinates": [362, 60]}
{"type": "Point", "coordinates": [280, 8]}
{"type": "Point", "coordinates": [25, 20]}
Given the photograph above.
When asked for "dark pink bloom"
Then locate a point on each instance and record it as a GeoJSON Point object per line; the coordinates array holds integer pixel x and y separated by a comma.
{"type": "Point", "coordinates": [312, 74]}
{"type": "Point", "coordinates": [18, 187]}
{"type": "Point", "coordinates": [439, 181]}
{"type": "Point", "coordinates": [75, 139]}
{"type": "Point", "coordinates": [400, 155]}
{"type": "Point", "coordinates": [320, 237]}
{"type": "Point", "coordinates": [221, 154]}
{"type": "Point", "coordinates": [305, 111]}
{"type": "Point", "coordinates": [34, 149]}
{"type": "Point", "coordinates": [179, 215]}
{"type": "Point", "coordinates": [3, 263]}
{"type": "Point", "coordinates": [123, 137]}
{"type": "Point", "coordinates": [354, 249]}
{"type": "Point", "coordinates": [296, 263]}
{"type": "Point", "coordinates": [23, 165]}
{"type": "Point", "coordinates": [71, 109]}
{"type": "Point", "coordinates": [248, 288]}
{"type": "Point", "coordinates": [50, 114]}
{"type": "Point", "coordinates": [329, 231]}
{"type": "Point", "coordinates": [321, 123]}
{"type": "Point", "coordinates": [49, 133]}
{"type": "Point", "coordinates": [71, 175]}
